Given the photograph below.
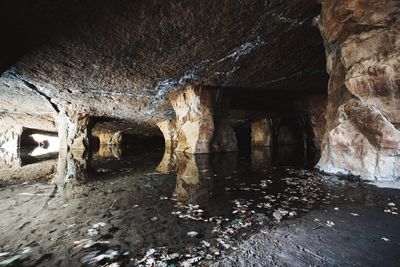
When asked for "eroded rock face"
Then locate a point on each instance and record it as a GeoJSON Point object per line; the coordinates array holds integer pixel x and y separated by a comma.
{"type": "Point", "coordinates": [363, 59]}
{"type": "Point", "coordinates": [262, 133]}
{"type": "Point", "coordinates": [170, 132]}
{"type": "Point", "coordinates": [315, 109]}
{"type": "Point", "coordinates": [73, 132]}
{"type": "Point", "coordinates": [194, 119]}
{"type": "Point", "coordinates": [120, 59]}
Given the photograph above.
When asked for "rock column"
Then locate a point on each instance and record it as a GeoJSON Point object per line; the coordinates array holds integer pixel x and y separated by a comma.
{"type": "Point", "coordinates": [170, 133]}
{"type": "Point", "coordinates": [73, 131]}
{"type": "Point", "coordinates": [262, 133]}
{"type": "Point", "coordinates": [363, 111]}
{"type": "Point", "coordinates": [194, 119]}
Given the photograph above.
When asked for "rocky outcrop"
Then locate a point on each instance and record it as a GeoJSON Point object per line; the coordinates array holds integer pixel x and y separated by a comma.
{"type": "Point", "coordinates": [194, 119]}
{"type": "Point", "coordinates": [363, 60]}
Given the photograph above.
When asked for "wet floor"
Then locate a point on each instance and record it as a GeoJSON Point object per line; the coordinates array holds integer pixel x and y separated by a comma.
{"type": "Point", "coordinates": [141, 208]}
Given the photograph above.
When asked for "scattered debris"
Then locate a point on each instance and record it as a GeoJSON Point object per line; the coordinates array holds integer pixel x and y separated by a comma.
{"type": "Point", "coordinates": [330, 223]}
{"type": "Point", "coordinates": [192, 233]}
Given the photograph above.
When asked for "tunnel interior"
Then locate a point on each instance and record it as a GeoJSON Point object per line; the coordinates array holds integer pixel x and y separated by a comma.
{"type": "Point", "coordinates": [168, 133]}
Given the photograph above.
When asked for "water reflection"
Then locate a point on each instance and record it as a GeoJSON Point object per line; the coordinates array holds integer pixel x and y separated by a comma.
{"type": "Point", "coordinates": [148, 206]}
{"type": "Point", "coordinates": [21, 166]}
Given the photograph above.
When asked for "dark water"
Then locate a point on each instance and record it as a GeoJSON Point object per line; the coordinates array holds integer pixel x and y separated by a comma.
{"type": "Point", "coordinates": [140, 207]}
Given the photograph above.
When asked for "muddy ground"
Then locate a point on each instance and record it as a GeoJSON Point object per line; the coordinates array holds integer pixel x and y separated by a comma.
{"type": "Point", "coordinates": [213, 210]}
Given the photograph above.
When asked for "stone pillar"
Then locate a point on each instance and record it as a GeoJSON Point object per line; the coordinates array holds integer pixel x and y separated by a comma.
{"type": "Point", "coordinates": [363, 112]}
{"type": "Point", "coordinates": [72, 166]}
{"type": "Point", "coordinates": [170, 133]}
{"type": "Point", "coordinates": [315, 109]}
{"type": "Point", "coordinates": [261, 133]}
{"type": "Point", "coordinates": [73, 131]}
{"type": "Point", "coordinates": [224, 139]}
{"type": "Point", "coordinates": [194, 119]}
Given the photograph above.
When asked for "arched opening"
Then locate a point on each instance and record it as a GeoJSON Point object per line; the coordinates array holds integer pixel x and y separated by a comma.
{"type": "Point", "coordinates": [37, 145]}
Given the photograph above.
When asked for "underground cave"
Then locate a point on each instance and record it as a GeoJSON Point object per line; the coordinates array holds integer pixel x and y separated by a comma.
{"type": "Point", "coordinates": [199, 133]}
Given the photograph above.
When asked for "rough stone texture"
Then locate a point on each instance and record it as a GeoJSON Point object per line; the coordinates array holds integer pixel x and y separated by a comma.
{"type": "Point", "coordinates": [364, 143]}
{"type": "Point", "coordinates": [73, 132]}
{"type": "Point", "coordinates": [262, 133]}
{"type": "Point", "coordinates": [362, 46]}
{"type": "Point", "coordinates": [72, 166]}
{"type": "Point", "coordinates": [170, 133]}
{"type": "Point", "coordinates": [10, 138]}
{"type": "Point", "coordinates": [194, 119]}
{"type": "Point", "coordinates": [109, 139]}
{"type": "Point", "coordinates": [315, 109]}
{"type": "Point", "coordinates": [120, 59]}
{"type": "Point", "coordinates": [9, 158]}
{"type": "Point", "coordinates": [224, 139]}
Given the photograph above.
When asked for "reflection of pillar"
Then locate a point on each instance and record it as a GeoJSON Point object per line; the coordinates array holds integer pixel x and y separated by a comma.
{"type": "Point", "coordinates": [262, 133]}
{"type": "Point", "coordinates": [73, 131]}
{"type": "Point", "coordinates": [261, 158]}
{"type": "Point", "coordinates": [109, 151]}
{"type": "Point", "coordinates": [168, 163]}
{"type": "Point", "coordinates": [170, 133]}
{"type": "Point", "coordinates": [195, 122]}
{"type": "Point", "coordinates": [190, 170]}
{"type": "Point", "coordinates": [224, 164]}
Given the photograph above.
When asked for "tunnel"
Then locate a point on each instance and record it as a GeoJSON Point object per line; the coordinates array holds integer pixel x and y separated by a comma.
{"type": "Point", "coordinates": [199, 133]}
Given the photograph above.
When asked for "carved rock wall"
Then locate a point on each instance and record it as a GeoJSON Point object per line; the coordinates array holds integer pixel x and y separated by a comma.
{"type": "Point", "coordinates": [194, 119]}
{"type": "Point", "coordinates": [363, 59]}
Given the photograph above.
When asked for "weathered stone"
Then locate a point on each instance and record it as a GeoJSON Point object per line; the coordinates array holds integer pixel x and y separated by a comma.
{"type": "Point", "coordinates": [224, 139]}
{"type": "Point", "coordinates": [262, 133]}
{"type": "Point", "coordinates": [315, 109]}
{"type": "Point", "coordinates": [194, 119]}
{"type": "Point", "coordinates": [73, 132]}
{"type": "Point", "coordinates": [10, 138]}
{"type": "Point", "coordinates": [363, 59]}
{"type": "Point", "coordinates": [119, 60]}
{"type": "Point", "coordinates": [72, 167]}
{"type": "Point", "coordinates": [170, 132]}
{"type": "Point", "coordinates": [109, 139]}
